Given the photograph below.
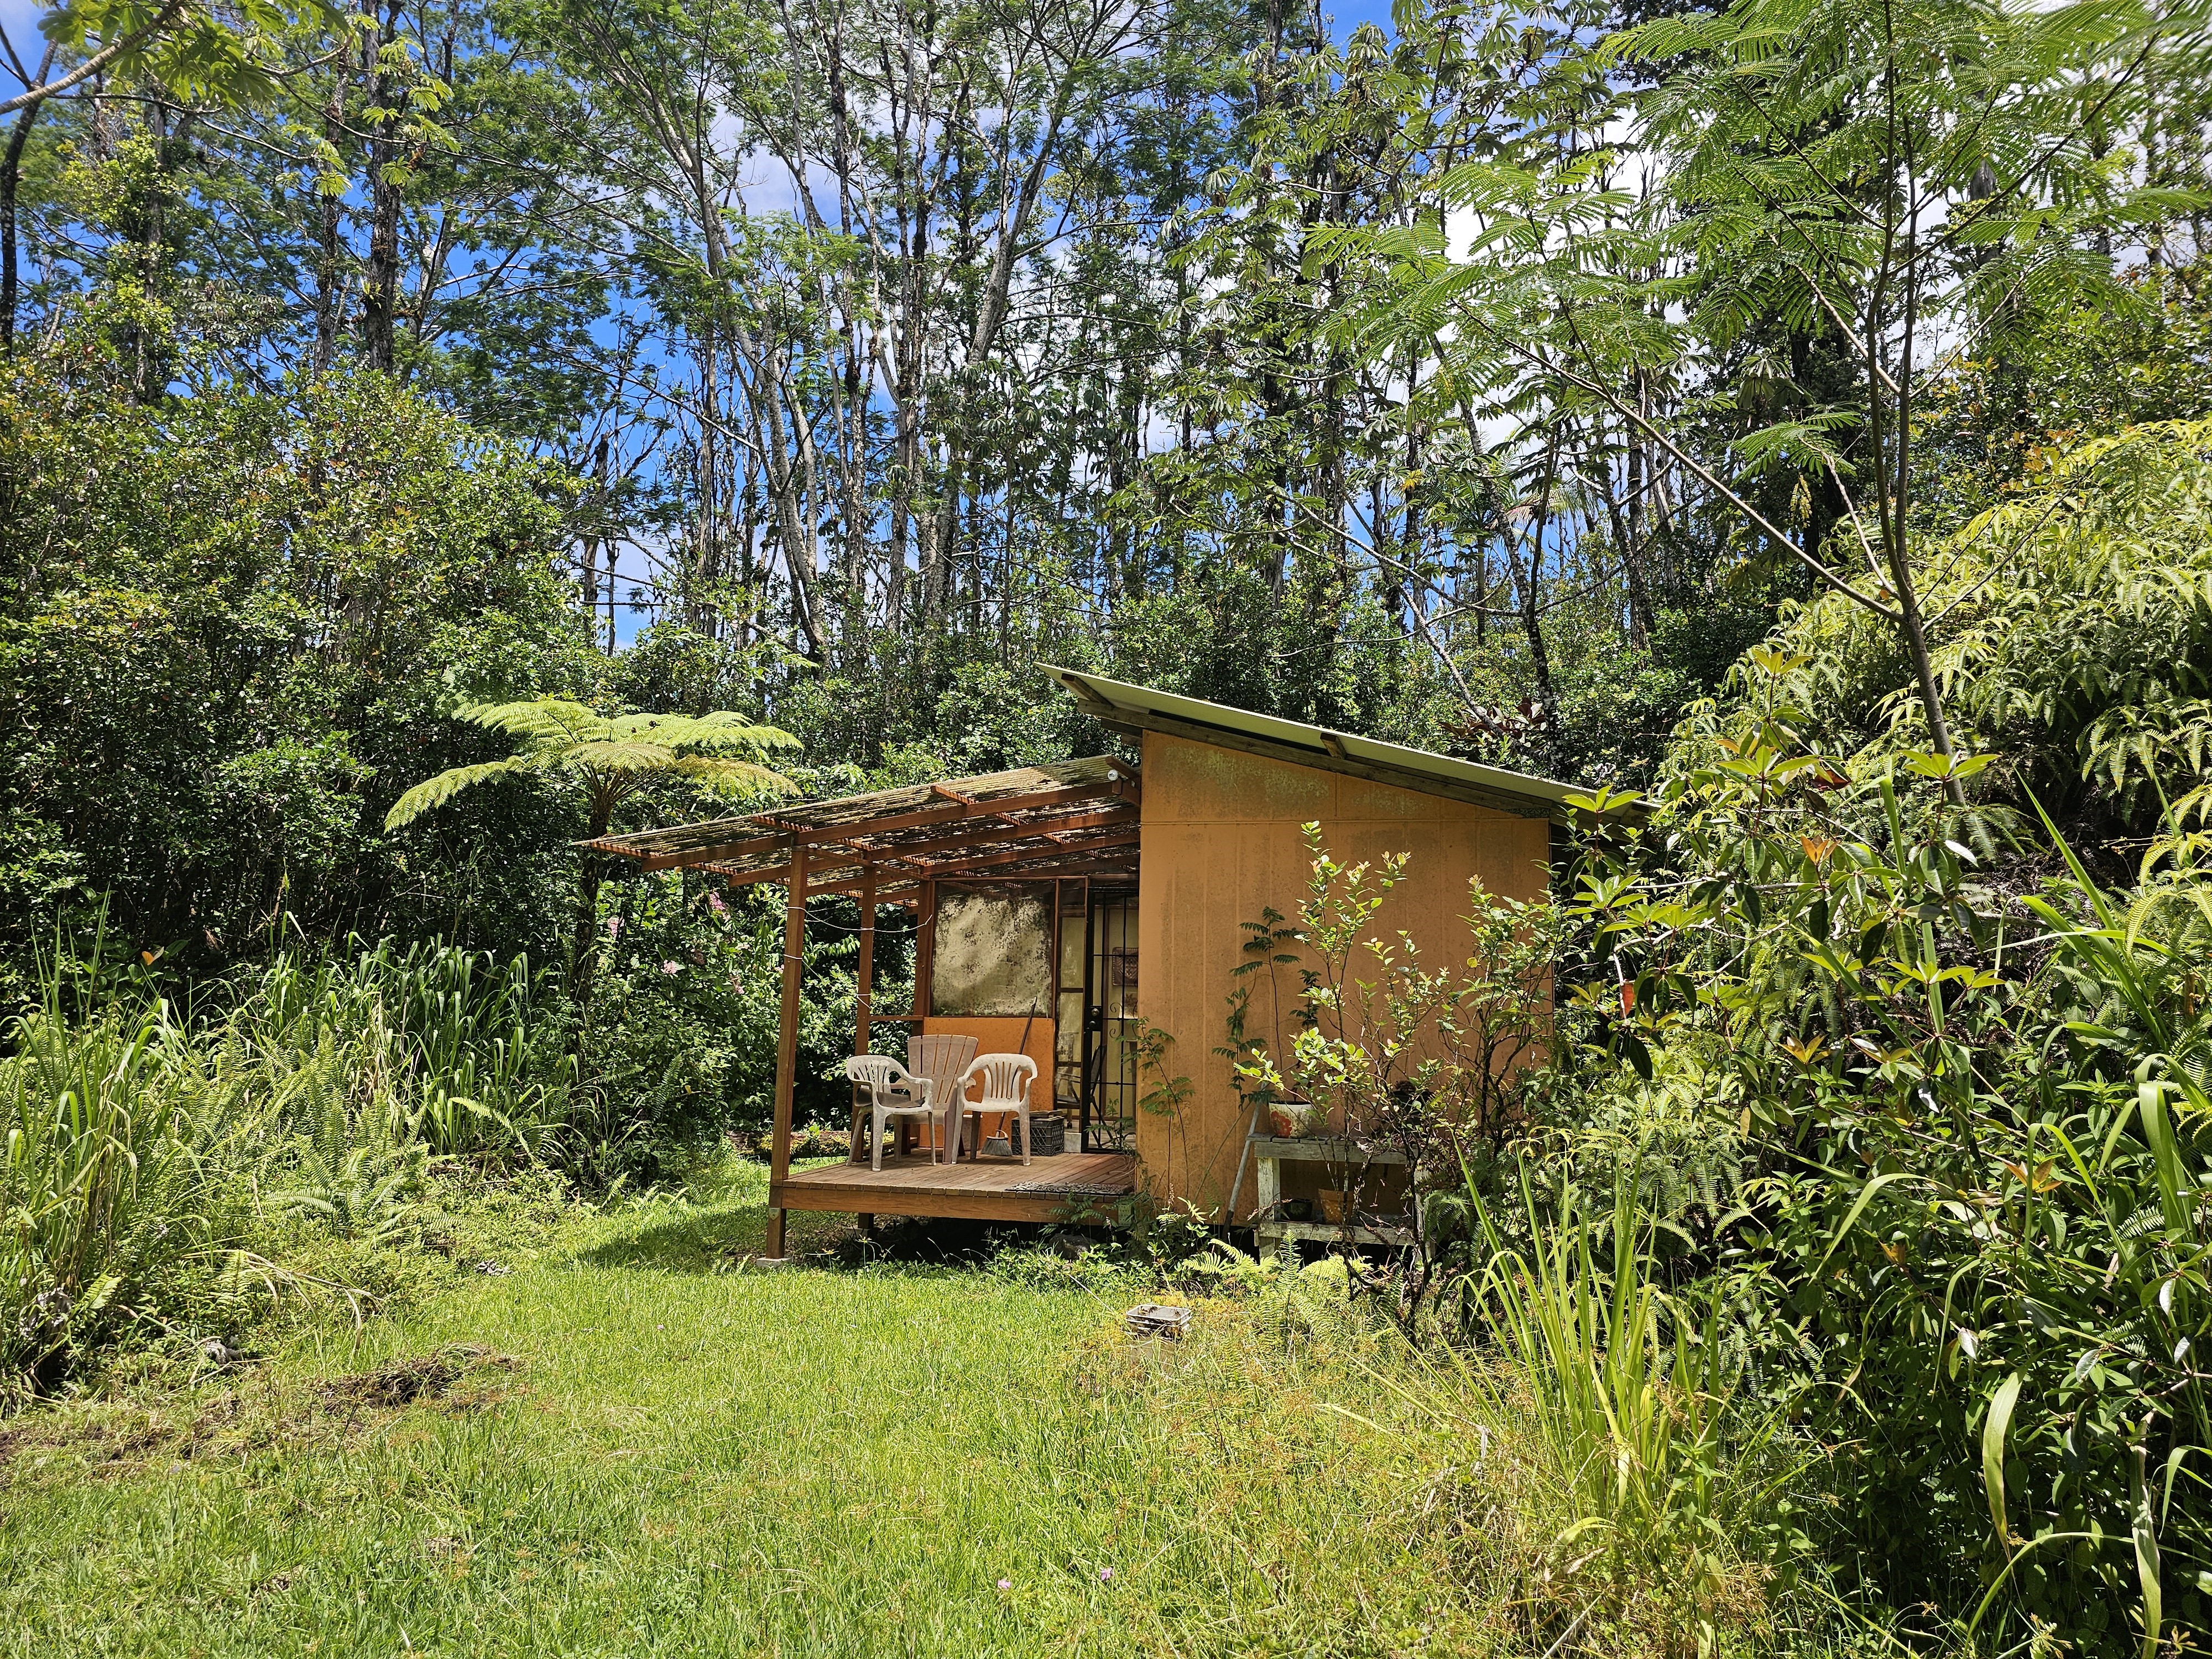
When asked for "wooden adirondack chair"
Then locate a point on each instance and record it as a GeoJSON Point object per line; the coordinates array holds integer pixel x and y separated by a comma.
{"type": "Point", "coordinates": [943, 1060]}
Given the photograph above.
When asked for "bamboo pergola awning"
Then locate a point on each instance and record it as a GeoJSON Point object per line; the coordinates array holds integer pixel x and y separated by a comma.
{"type": "Point", "coordinates": [1071, 818]}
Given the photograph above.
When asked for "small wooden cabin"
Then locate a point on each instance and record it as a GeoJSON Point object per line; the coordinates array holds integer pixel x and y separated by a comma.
{"type": "Point", "coordinates": [1058, 906]}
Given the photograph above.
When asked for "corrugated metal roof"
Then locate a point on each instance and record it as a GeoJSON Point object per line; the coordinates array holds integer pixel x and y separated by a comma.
{"type": "Point", "coordinates": [1140, 708]}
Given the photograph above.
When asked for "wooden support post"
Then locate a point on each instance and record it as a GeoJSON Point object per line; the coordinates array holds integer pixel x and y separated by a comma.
{"type": "Point", "coordinates": [867, 970]}
{"type": "Point", "coordinates": [865, 984]}
{"type": "Point", "coordinates": [1271, 1188]}
{"type": "Point", "coordinates": [924, 953]}
{"type": "Point", "coordinates": [925, 948]}
{"type": "Point", "coordinates": [786, 1042]}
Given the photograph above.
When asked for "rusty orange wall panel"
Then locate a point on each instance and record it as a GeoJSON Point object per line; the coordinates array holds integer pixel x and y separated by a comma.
{"type": "Point", "coordinates": [1221, 843]}
{"type": "Point", "coordinates": [998, 1036]}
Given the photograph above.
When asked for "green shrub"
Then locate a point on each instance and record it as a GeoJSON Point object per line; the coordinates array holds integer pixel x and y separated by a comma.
{"type": "Point", "coordinates": [167, 1180]}
{"type": "Point", "coordinates": [1966, 1255]}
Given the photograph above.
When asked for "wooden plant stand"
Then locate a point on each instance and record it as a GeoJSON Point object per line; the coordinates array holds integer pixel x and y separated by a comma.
{"type": "Point", "coordinates": [1271, 1152]}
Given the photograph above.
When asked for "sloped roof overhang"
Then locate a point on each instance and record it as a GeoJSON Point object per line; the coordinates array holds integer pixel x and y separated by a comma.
{"type": "Point", "coordinates": [1126, 707]}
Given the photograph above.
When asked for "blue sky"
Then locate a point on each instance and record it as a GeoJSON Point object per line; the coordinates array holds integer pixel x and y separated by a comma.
{"type": "Point", "coordinates": [1350, 14]}
{"type": "Point", "coordinates": [21, 19]}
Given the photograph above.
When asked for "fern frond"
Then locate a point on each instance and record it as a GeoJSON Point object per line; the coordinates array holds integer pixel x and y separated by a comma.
{"type": "Point", "coordinates": [433, 792]}
{"type": "Point", "coordinates": [616, 752]}
{"type": "Point", "coordinates": [722, 729]}
{"type": "Point", "coordinates": [732, 776]}
{"type": "Point", "coordinates": [620, 754]}
{"type": "Point", "coordinates": [540, 721]}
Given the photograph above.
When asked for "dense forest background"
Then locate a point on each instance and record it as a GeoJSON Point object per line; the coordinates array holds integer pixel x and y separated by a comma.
{"type": "Point", "coordinates": [1465, 381]}
{"type": "Point", "coordinates": [835, 364]}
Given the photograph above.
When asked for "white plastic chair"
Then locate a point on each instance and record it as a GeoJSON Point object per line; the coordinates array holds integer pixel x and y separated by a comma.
{"type": "Point", "coordinates": [893, 1092]}
{"type": "Point", "coordinates": [1006, 1079]}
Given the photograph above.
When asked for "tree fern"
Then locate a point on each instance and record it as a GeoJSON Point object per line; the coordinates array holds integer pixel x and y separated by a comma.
{"type": "Point", "coordinates": [613, 755]}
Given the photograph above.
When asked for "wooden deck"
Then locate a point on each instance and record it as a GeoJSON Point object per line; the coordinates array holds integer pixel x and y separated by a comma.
{"type": "Point", "coordinates": [1058, 1188]}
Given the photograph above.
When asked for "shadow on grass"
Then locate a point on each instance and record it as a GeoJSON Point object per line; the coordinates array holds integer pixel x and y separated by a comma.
{"type": "Point", "coordinates": [707, 1240]}
{"type": "Point", "coordinates": [722, 1238]}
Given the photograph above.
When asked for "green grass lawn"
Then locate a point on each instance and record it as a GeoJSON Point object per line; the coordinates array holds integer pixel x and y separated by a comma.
{"type": "Point", "coordinates": [633, 1444]}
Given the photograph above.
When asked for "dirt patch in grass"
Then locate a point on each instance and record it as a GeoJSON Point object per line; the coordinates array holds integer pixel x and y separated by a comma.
{"type": "Point", "coordinates": [102, 1438]}
{"type": "Point", "coordinates": [428, 1377]}
{"type": "Point", "coordinates": [11, 1442]}
{"type": "Point", "coordinates": [106, 1438]}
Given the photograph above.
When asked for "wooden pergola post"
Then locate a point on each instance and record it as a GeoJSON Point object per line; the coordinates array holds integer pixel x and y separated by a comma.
{"type": "Point", "coordinates": [867, 971]}
{"type": "Point", "coordinates": [866, 986]}
{"type": "Point", "coordinates": [925, 949]}
{"type": "Point", "coordinates": [924, 952]}
{"type": "Point", "coordinates": [787, 1044]}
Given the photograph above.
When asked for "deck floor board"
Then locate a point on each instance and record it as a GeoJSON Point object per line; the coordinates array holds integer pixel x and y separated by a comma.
{"type": "Point", "coordinates": [987, 1189]}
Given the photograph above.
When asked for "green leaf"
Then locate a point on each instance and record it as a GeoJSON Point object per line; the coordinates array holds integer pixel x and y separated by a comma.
{"type": "Point", "coordinates": [1994, 1430]}
{"type": "Point", "coordinates": [1858, 1208]}
{"type": "Point", "coordinates": [434, 793]}
{"type": "Point", "coordinates": [2144, 1536]}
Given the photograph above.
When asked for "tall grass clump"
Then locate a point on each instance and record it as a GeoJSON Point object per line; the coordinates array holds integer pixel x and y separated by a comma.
{"type": "Point", "coordinates": [119, 1208]}
{"type": "Point", "coordinates": [1657, 1484]}
{"type": "Point", "coordinates": [430, 1044]}
{"type": "Point", "coordinates": [159, 1168]}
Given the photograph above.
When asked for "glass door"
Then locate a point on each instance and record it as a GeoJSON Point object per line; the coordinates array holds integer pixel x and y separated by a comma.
{"type": "Point", "coordinates": [1109, 1082]}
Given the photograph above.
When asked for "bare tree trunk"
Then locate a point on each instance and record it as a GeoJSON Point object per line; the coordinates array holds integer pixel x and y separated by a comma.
{"type": "Point", "coordinates": [379, 287]}
{"type": "Point", "coordinates": [1911, 625]}
{"type": "Point", "coordinates": [11, 174]}
{"type": "Point", "coordinates": [1632, 551]}
{"type": "Point", "coordinates": [1525, 589]}
{"type": "Point", "coordinates": [771, 398]}
{"type": "Point", "coordinates": [853, 478]}
{"type": "Point", "coordinates": [1890, 435]}
{"type": "Point", "coordinates": [329, 288]}
{"type": "Point", "coordinates": [1622, 523]}
{"type": "Point", "coordinates": [1410, 544]}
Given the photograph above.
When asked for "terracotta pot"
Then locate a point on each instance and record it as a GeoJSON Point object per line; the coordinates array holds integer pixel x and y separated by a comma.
{"type": "Point", "coordinates": [1330, 1207]}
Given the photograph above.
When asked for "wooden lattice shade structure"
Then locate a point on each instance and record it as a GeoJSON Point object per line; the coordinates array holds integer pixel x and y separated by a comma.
{"type": "Point", "coordinates": [1034, 823]}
